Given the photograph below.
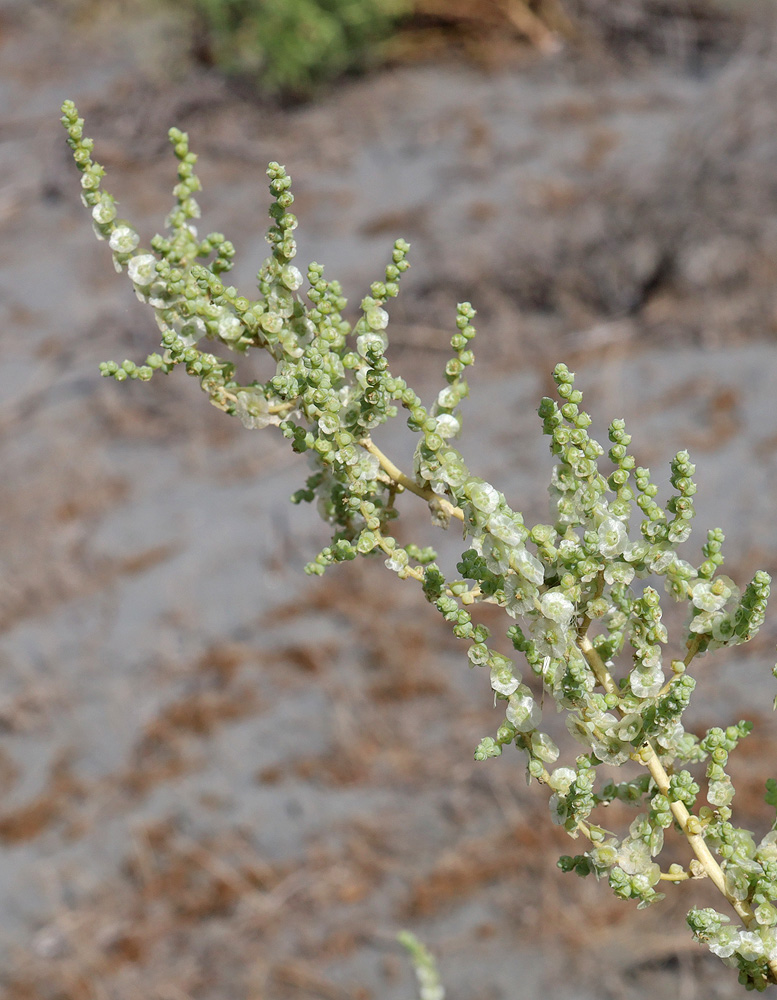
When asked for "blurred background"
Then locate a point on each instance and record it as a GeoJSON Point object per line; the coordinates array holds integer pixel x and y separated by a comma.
{"type": "Point", "coordinates": [221, 779]}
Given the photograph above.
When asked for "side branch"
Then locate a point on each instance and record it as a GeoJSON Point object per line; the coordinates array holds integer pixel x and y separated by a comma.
{"type": "Point", "coordinates": [597, 665]}
{"type": "Point", "coordinates": [407, 483]}
{"type": "Point", "coordinates": [693, 830]}
{"type": "Point", "coordinates": [690, 825]}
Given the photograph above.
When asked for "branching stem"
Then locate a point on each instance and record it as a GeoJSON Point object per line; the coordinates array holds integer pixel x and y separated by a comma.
{"type": "Point", "coordinates": [407, 483]}
{"type": "Point", "coordinates": [689, 824]}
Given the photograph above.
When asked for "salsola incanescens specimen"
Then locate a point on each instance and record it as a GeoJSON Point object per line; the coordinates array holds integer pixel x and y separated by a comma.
{"type": "Point", "coordinates": [577, 612]}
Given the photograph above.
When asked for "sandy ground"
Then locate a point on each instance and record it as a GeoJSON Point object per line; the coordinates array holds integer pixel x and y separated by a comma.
{"type": "Point", "coordinates": [221, 779]}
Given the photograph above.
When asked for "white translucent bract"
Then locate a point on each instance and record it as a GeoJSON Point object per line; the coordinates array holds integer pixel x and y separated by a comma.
{"type": "Point", "coordinates": [447, 399]}
{"type": "Point", "coordinates": [483, 496]}
{"type": "Point", "coordinates": [612, 537]}
{"type": "Point", "coordinates": [556, 607]}
{"type": "Point", "coordinates": [230, 327]}
{"type": "Point", "coordinates": [558, 809]}
{"type": "Point", "coordinates": [368, 341]}
{"type": "Point", "coordinates": [527, 565]}
{"type": "Point", "coordinates": [523, 712]}
{"type": "Point", "coordinates": [750, 946]}
{"type": "Point", "coordinates": [123, 239]}
{"type": "Point", "coordinates": [377, 319]}
{"type": "Point", "coordinates": [647, 683]}
{"type": "Point", "coordinates": [506, 528]}
{"type": "Point", "coordinates": [142, 268]}
{"type": "Point", "coordinates": [253, 411]}
{"type": "Point", "coordinates": [561, 779]}
{"type": "Point", "coordinates": [720, 793]}
{"type": "Point", "coordinates": [192, 331]}
{"type": "Point", "coordinates": [291, 277]}
{"type": "Point", "coordinates": [724, 942]}
{"type": "Point", "coordinates": [104, 211]}
{"type": "Point", "coordinates": [503, 681]}
{"type": "Point", "coordinates": [544, 748]}
{"type": "Point", "coordinates": [448, 426]}
{"type": "Point", "coordinates": [713, 595]}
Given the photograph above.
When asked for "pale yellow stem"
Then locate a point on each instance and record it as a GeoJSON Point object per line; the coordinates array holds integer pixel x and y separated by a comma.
{"type": "Point", "coordinates": [689, 824]}
{"type": "Point", "coordinates": [596, 663]}
{"type": "Point", "coordinates": [399, 477]}
{"type": "Point", "coordinates": [677, 877]}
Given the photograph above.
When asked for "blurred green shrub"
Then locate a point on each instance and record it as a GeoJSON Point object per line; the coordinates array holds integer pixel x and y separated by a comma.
{"type": "Point", "coordinates": [290, 47]}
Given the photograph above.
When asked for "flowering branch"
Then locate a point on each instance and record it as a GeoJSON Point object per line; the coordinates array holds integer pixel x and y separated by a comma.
{"type": "Point", "coordinates": [591, 636]}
